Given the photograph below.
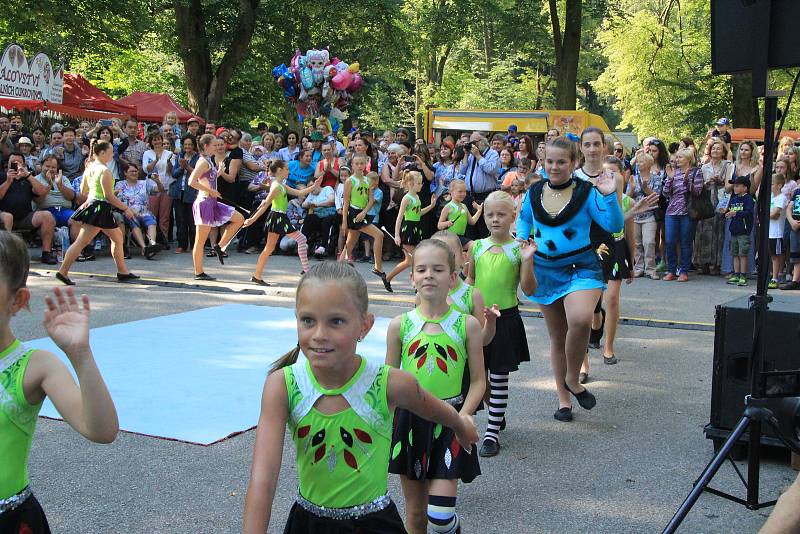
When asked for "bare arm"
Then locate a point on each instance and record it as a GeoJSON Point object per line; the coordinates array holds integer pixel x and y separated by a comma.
{"type": "Point", "coordinates": [405, 392]}
{"type": "Point", "coordinates": [107, 183]}
{"type": "Point", "coordinates": [401, 216]}
{"type": "Point", "coordinates": [429, 207]}
{"type": "Point", "coordinates": [477, 215]}
{"type": "Point", "coordinates": [443, 223]}
{"type": "Point", "coordinates": [393, 343]}
{"type": "Point", "coordinates": [196, 178]}
{"type": "Point", "coordinates": [785, 518]}
{"type": "Point", "coordinates": [477, 372]}
{"type": "Point", "coordinates": [267, 454]}
{"type": "Point", "coordinates": [87, 408]}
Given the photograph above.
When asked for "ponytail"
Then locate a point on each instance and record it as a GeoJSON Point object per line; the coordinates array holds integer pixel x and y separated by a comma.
{"type": "Point", "coordinates": [290, 358]}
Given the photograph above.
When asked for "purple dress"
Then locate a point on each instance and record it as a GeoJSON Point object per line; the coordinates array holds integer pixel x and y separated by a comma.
{"type": "Point", "coordinates": [208, 210]}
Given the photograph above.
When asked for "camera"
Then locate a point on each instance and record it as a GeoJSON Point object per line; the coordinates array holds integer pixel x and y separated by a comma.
{"type": "Point", "coordinates": [468, 146]}
{"type": "Point", "coordinates": [409, 159]}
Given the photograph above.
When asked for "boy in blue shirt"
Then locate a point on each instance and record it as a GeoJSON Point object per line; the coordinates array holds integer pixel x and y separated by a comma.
{"type": "Point", "coordinates": [740, 211]}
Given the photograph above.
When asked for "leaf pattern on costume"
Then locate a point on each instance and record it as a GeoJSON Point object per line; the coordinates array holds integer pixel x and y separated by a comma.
{"type": "Point", "coordinates": [448, 458]}
{"type": "Point", "coordinates": [303, 431]}
{"type": "Point", "coordinates": [455, 446]}
{"type": "Point", "coordinates": [319, 454]}
{"type": "Point", "coordinates": [362, 435]}
{"type": "Point", "coordinates": [418, 468]}
{"type": "Point", "coordinates": [421, 361]}
{"type": "Point", "coordinates": [347, 438]}
{"type": "Point", "coordinates": [442, 365]}
{"type": "Point", "coordinates": [410, 438]}
{"type": "Point", "coordinates": [350, 460]}
{"type": "Point", "coordinates": [413, 348]}
{"type": "Point", "coordinates": [452, 353]}
{"type": "Point", "coordinates": [437, 431]}
{"type": "Point", "coordinates": [318, 438]}
{"type": "Point", "coordinates": [396, 450]}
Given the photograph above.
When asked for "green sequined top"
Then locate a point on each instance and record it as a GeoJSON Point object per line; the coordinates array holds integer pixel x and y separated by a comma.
{"type": "Point", "coordinates": [359, 192]}
{"type": "Point", "coordinates": [497, 273]}
{"type": "Point", "coordinates": [342, 458]}
{"type": "Point", "coordinates": [438, 360]}
{"type": "Point", "coordinates": [459, 216]}
{"type": "Point", "coordinates": [17, 420]}
{"type": "Point", "coordinates": [413, 207]}
{"type": "Point", "coordinates": [281, 202]}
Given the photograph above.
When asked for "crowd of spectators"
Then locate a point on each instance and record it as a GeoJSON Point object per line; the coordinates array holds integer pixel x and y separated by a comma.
{"type": "Point", "coordinates": [42, 168]}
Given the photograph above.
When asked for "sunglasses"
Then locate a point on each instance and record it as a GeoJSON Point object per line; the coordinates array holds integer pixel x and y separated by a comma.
{"type": "Point", "coordinates": [617, 150]}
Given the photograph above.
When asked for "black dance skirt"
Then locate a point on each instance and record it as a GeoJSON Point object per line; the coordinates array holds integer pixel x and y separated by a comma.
{"type": "Point", "coordinates": [386, 521]}
{"type": "Point", "coordinates": [423, 450]}
{"type": "Point", "coordinates": [352, 213]}
{"type": "Point", "coordinates": [99, 213]}
{"type": "Point", "coordinates": [278, 223]}
{"type": "Point", "coordinates": [410, 233]}
{"type": "Point", "coordinates": [27, 518]}
{"type": "Point", "coordinates": [617, 264]}
{"type": "Point", "coordinates": [509, 347]}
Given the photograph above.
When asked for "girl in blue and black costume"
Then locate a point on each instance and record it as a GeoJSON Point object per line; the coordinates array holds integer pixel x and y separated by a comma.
{"type": "Point", "coordinates": [559, 212]}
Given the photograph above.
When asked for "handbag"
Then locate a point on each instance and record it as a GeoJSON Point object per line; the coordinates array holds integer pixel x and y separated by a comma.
{"type": "Point", "coordinates": [700, 206]}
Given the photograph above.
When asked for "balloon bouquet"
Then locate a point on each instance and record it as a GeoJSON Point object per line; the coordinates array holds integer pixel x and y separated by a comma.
{"type": "Point", "coordinates": [318, 86]}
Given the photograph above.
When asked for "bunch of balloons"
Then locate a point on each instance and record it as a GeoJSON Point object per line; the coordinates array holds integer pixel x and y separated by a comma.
{"type": "Point", "coordinates": [317, 85]}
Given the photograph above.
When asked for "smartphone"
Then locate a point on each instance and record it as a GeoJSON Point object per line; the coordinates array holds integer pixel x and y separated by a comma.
{"type": "Point", "coordinates": [106, 122]}
{"type": "Point", "coordinates": [409, 159]}
{"type": "Point", "coordinates": [14, 166]}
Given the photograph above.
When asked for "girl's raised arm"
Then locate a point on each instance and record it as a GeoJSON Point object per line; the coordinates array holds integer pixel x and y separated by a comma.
{"type": "Point", "coordinates": [267, 454]}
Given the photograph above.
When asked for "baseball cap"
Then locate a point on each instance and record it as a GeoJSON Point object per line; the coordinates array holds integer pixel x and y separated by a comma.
{"type": "Point", "coordinates": [512, 127]}
{"type": "Point", "coordinates": [741, 180]}
{"type": "Point", "coordinates": [193, 119]}
{"type": "Point", "coordinates": [56, 127]}
{"type": "Point", "coordinates": [723, 121]}
{"type": "Point", "coordinates": [24, 141]}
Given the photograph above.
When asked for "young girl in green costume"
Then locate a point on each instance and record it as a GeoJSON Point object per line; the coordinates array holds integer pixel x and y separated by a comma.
{"type": "Point", "coordinates": [498, 265]}
{"type": "Point", "coordinates": [407, 229]}
{"type": "Point", "coordinates": [339, 408]}
{"type": "Point", "coordinates": [455, 215]}
{"type": "Point", "coordinates": [278, 224]}
{"type": "Point", "coordinates": [439, 345]}
{"type": "Point", "coordinates": [27, 376]}
{"type": "Point", "coordinates": [356, 203]}
{"type": "Point", "coordinates": [463, 296]}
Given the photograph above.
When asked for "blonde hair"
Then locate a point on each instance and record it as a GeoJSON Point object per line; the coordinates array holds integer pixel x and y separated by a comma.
{"type": "Point", "coordinates": [409, 178]}
{"type": "Point", "coordinates": [373, 176]}
{"type": "Point", "coordinates": [501, 197]}
{"type": "Point", "coordinates": [342, 274]}
{"type": "Point", "coordinates": [689, 154]}
{"type": "Point", "coordinates": [448, 237]}
{"type": "Point", "coordinates": [457, 182]}
{"type": "Point", "coordinates": [439, 245]}
{"type": "Point", "coordinates": [646, 159]}
{"type": "Point", "coordinates": [359, 157]}
{"type": "Point", "coordinates": [778, 178]}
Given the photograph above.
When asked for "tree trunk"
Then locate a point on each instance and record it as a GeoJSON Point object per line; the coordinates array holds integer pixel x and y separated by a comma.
{"type": "Point", "coordinates": [567, 52]}
{"type": "Point", "coordinates": [207, 87]}
{"type": "Point", "coordinates": [745, 112]}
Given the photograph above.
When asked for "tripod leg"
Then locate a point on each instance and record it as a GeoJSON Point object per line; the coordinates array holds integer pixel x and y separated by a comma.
{"type": "Point", "coordinates": [708, 474]}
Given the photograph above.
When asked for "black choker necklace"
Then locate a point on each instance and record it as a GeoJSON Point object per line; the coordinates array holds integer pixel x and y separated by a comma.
{"type": "Point", "coordinates": [565, 185]}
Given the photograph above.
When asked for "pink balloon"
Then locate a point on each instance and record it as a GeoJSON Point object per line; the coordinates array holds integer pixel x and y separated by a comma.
{"type": "Point", "coordinates": [356, 84]}
{"type": "Point", "coordinates": [342, 81]}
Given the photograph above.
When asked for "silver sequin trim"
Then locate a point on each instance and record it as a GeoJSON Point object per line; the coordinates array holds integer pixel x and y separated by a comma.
{"type": "Point", "coordinates": [354, 512]}
{"type": "Point", "coordinates": [453, 401]}
{"type": "Point", "coordinates": [7, 505]}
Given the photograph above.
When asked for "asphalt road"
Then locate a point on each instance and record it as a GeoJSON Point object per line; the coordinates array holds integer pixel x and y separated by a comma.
{"type": "Point", "coordinates": [623, 467]}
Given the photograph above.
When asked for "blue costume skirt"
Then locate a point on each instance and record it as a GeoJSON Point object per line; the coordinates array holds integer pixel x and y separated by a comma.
{"type": "Point", "coordinates": [559, 277]}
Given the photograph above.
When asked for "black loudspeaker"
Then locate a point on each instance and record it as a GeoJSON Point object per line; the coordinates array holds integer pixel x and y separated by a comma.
{"type": "Point", "coordinates": [733, 340]}
{"type": "Point", "coordinates": [742, 29]}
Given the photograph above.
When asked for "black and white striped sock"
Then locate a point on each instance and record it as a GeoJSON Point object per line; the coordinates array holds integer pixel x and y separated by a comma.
{"type": "Point", "coordinates": [498, 401]}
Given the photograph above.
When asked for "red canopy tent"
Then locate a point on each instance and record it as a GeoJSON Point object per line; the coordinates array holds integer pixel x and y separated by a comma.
{"type": "Point", "coordinates": [151, 107]}
{"type": "Point", "coordinates": [80, 93]}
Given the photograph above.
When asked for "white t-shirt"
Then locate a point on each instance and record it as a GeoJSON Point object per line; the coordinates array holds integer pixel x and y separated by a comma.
{"type": "Point", "coordinates": [776, 225]}
{"type": "Point", "coordinates": [339, 199]}
{"type": "Point", "coordinates": [161, 166]}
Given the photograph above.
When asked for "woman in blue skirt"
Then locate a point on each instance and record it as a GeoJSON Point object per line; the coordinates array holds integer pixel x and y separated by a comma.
{"type": "Point", "coordinates": [559, 212]}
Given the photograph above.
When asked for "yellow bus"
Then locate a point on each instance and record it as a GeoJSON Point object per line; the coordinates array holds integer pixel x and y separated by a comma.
{"type": "Point", "coordinates": [439, 123]}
